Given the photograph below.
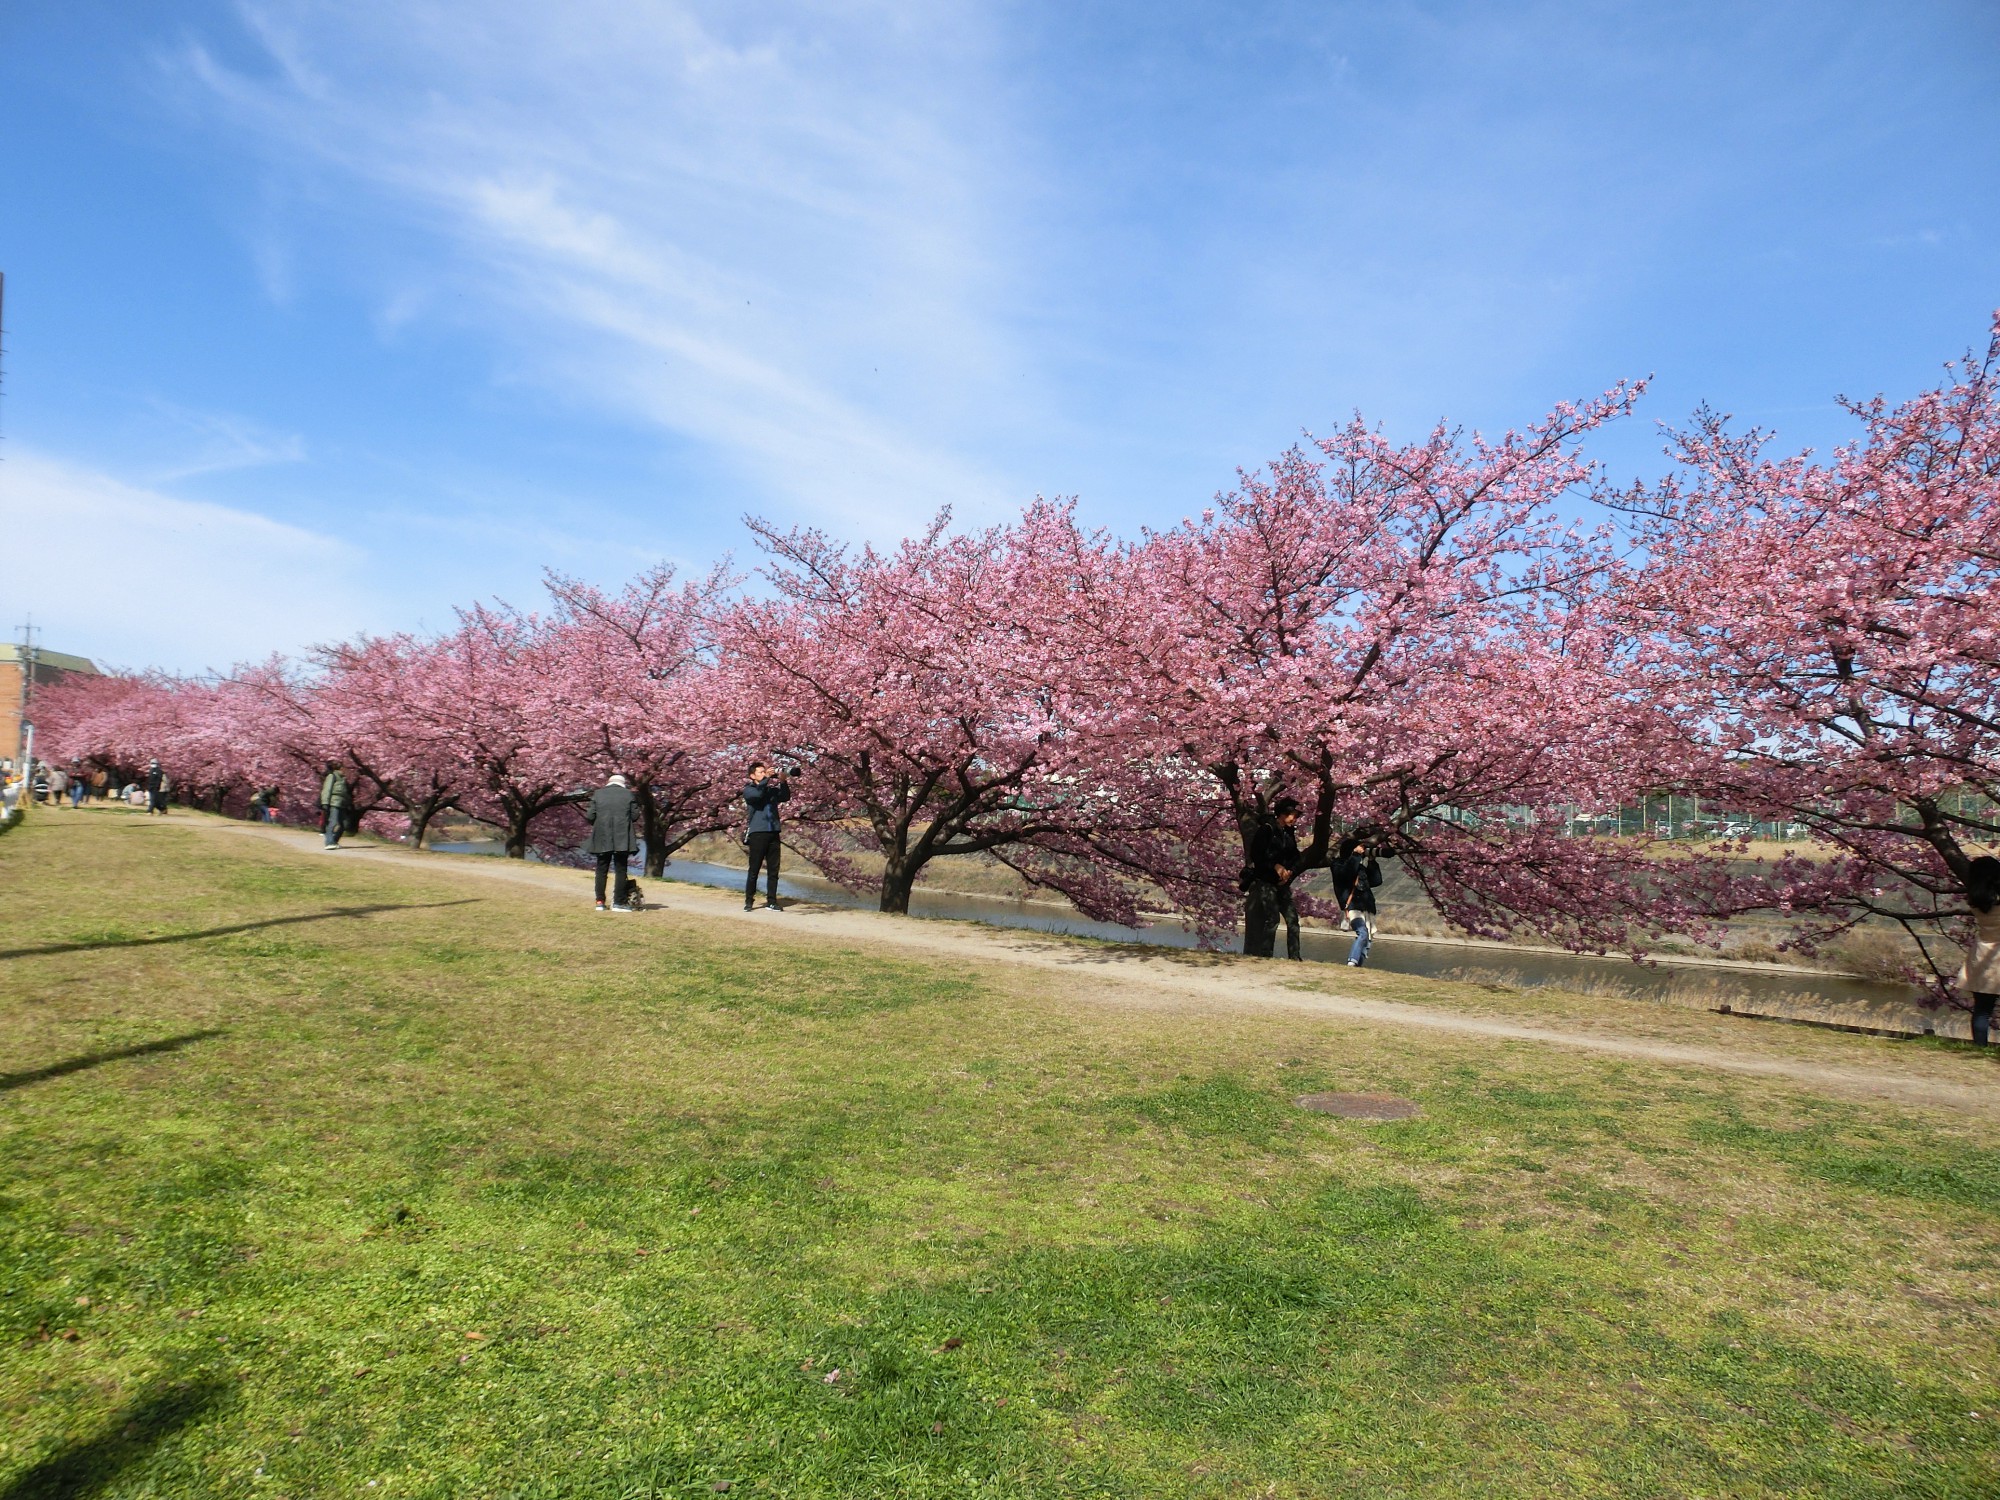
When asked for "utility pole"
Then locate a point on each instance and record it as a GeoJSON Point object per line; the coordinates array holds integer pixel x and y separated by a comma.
{"type": "Point", "coordinates": [26, 740]}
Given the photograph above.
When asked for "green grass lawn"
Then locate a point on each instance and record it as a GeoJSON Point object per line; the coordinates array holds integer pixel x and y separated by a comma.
{"type": "Point", "coordinates": [324, 1178]}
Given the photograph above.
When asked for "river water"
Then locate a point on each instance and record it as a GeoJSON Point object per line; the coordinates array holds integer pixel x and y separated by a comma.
{"type": "Point", "coordinates": [1749, 989]}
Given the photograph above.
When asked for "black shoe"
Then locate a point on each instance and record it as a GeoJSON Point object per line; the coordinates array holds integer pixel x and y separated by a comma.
{"type": "Point", "coordinates": [749, 906]}
{"type": "Point", "coordinates": [772, 906]}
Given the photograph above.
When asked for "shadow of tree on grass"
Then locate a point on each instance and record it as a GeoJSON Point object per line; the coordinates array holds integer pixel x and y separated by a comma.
{"type": "Point", "coordinates": [209, 932]}
{"type": "Point", "coordinates": [89, 1466]}
{"type": "Point", "coordinates": [96, 1059]}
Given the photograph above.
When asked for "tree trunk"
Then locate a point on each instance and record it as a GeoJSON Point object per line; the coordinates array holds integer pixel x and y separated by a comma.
{"type": "Point", "coordinates": [650, 829]}
{"type": "Point", "coordinates": [420, 820]}
{"type": "Point", "coordinates": [898, 876]}
{"type": "Point", "coordinates": [517, 832]}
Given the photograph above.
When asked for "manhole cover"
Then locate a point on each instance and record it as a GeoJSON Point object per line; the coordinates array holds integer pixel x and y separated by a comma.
{"type": "Point", "coordinates": [1359, 1106]}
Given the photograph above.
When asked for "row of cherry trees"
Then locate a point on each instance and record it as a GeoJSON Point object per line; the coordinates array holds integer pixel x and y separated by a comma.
{"type": "Point", "coordinates": [1418, 641]}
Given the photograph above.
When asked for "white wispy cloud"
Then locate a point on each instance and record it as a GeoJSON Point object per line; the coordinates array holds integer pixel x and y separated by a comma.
{"type": "Point", "coordinates": [209, 442]}
{"type": "Point", "coordinates": [767, 229]}
{"type": "Point", "coordinates": [132, 576]}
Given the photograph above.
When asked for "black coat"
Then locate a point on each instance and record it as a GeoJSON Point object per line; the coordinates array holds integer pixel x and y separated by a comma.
{"type": "Point", "coordinates": [1354, 882]}
{"type": "Point", "coordinates": [611, 814]}
{"type": "Point", "coordinates": [1273, 847]}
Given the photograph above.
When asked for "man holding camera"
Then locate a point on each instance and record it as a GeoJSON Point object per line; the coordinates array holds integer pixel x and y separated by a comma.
{"type": "Point", "coordinates": [767, 789]}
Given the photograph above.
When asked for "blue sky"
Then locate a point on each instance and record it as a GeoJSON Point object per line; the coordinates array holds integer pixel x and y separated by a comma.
{"type": "Point", "coordinates": [324, 317]}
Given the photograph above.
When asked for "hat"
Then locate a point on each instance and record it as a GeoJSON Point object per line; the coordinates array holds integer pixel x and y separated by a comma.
{"type": "Point", "coordinates": [615, 781]}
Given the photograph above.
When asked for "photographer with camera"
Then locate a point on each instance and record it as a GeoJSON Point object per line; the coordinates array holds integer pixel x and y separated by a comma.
{"type": "Point", "coordinates": [767, 789]}
{"type": "Point", "coordinates": [1356, 873]}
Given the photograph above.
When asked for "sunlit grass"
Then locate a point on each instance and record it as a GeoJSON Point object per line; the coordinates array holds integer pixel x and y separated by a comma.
{"type": "Point", "coordinates": [463, 1190]}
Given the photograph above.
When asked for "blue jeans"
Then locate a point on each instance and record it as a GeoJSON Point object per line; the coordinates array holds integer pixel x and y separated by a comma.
{"type": "Point", "coordinates": [1363, 927]}
{"type": "Point", "coordinates": [336, 824]}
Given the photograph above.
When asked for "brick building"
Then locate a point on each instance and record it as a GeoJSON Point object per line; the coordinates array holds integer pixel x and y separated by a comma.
{"type": "Point", "coordinates": [49, 666]}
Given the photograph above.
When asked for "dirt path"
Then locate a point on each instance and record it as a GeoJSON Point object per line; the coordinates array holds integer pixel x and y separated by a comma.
{"type": "Point", "coordinates": [1959, 1084]}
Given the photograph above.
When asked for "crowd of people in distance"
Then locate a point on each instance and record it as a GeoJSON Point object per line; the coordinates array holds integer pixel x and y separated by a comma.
{"type": "Point", "coordinates": [48, 784]}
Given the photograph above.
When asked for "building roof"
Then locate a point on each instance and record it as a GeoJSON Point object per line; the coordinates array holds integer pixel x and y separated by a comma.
{"type": "Point", "coordinates": [61, 661]}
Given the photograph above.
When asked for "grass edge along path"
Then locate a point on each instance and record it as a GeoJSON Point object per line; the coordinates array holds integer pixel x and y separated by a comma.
{"type": "Point", "coordinates": [401, 1186]}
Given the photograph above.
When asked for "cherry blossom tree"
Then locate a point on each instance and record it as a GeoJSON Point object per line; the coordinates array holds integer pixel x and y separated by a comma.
{"type": "Point", "coordinates": [1410, 641]}
{"type": "Point", "coordinates": [1827, 638]}
{"type": "Point", "coordinates": [114, 723]}
{"type": "Point", "coordinates": [357, 712]}
{"type": "Point", "coordinates": [922, 695]}
{"type": "Point", "coordinates": [118, 723]}
{"type": "Point", "coordinates": [475, 696]}
{"type": "Point", "coordinates": [636, 695]}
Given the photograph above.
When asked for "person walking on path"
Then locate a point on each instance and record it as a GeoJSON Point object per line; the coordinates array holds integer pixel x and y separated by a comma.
{"type": "Point", "coordinates": [1355, 876]}
{"type": "Point", "coordinates": [614, 837]}
{"type": "Point", "coordinates": [767, 790]}
{"type": "Point", "coordinates": [1980, 975]}
{"type": "Point", "coordinates": [158, 784]}
{"type": "Point", "coordinates": [334, 800]}
{"type": "Point", "coordinates": [58, 785]}
{"type": "Point", "coordinates": [78, 786]}
{"type": "Point", "coordinates": [1274, 865]}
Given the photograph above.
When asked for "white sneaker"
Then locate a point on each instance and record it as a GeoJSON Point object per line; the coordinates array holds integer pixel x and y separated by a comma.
{"type": "Point", "coordinates": [621, 908]}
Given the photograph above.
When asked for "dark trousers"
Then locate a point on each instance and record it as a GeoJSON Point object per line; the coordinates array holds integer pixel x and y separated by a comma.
{"type": "Point", "coordinates": [607, 863]}
{"type": "Point", "coordinates": [763, 849]}
{"type": "Point", "coordinates": [1264, 905]}
{"type": "Point", "coordinates": [333, 824]}
{"type": "Point", "coordinates": [1982, 1018]}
